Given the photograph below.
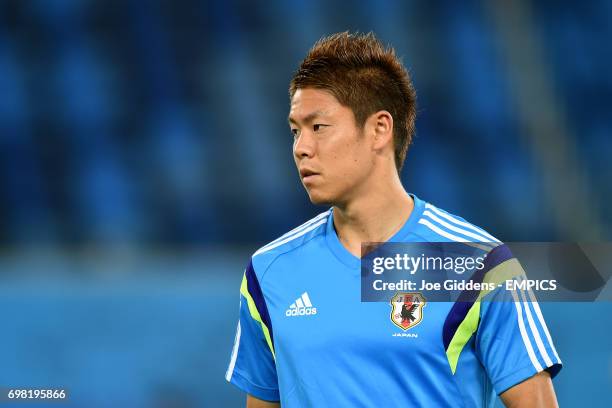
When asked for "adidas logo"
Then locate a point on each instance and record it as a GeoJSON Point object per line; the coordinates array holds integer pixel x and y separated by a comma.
{"type": "Point", "coordinates": [301, 307]}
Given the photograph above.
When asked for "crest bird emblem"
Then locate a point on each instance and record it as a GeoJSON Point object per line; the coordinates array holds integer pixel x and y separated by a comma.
{"type": "Point", "coordinates": [407, 309]}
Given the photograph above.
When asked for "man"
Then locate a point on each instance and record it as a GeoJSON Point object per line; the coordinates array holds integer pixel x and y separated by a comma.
{"type": "Point", "coordinates": [298, 343]}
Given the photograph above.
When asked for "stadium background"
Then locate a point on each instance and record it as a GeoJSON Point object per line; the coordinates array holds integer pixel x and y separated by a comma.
{"type": "Point", "coordinates": [145, 153]}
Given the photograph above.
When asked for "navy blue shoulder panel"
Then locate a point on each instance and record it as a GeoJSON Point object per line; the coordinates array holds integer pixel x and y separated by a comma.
{"type": "Point", "coordinates": [257, 295]}
{"type": "Point", "coordinates": [467, 298]}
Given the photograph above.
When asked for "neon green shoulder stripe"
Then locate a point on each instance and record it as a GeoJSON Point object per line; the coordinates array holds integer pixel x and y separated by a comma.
{"type": "Point", "coordinates": [255, 313]}
{"type": "Point", "coordinates": [502, 272]}
{"type": "Point", "coordinates": [465, 330]}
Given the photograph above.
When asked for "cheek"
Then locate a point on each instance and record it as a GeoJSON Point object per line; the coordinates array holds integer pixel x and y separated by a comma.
{"type": "Point", "coordinates": [356, 152]}
{"type": "Point", "coordinates": [350, 160]}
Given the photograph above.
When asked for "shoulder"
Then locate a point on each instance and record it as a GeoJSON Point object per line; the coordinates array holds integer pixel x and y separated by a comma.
{"type": "Point", "coordinates": [297, 237]}
{"type": "Point", "coordinates": [435, 224]}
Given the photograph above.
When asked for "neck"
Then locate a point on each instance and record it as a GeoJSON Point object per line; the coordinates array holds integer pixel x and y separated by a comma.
{"type": "Point", "coordinates": [374, 216]}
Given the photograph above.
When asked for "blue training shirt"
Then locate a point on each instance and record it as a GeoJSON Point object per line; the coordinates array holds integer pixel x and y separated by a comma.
{"type": "Point", "coordinates": [304, 337]}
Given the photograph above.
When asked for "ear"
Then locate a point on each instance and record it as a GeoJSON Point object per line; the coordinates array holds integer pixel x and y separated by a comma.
{"type": "Point", "coordinates": [381, 126]}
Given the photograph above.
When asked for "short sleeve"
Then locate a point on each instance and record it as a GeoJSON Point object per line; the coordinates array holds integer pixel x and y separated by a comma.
{"type": "Point", "coordinates": [252, 363]}
{"type": "Point", "coordinates": [513, 342]}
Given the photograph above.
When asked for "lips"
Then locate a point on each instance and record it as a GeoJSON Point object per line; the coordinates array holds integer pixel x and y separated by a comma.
{"type": "Point", "coordinates": [307, 174]}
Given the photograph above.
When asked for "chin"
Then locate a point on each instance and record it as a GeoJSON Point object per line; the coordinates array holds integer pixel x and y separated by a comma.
{"type": "Point", "coordinates": [318, 198]}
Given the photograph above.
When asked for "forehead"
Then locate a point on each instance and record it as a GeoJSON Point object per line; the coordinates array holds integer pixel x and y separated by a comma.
{"type": "Point", "coordinates": [309, 102]}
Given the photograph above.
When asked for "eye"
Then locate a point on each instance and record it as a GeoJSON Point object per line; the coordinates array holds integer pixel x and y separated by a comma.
{"type": "Point", "coordinates": [295, 132]}
{"type": "Point", "coordinates": [317, 126]}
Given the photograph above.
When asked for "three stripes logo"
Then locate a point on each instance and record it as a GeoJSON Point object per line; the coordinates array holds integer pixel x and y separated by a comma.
{"type": "Point", "coordinates": [301, 307]}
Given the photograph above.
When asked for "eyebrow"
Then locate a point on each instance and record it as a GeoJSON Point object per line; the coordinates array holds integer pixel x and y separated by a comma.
{"type": "Point", "coordinates": [308, 118]}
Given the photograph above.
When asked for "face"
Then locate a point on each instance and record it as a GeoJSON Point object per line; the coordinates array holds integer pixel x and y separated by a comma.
{"type": "Point", "coordinates": [332, 155]}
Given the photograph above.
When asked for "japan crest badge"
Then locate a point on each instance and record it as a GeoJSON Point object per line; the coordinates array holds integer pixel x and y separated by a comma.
{"type": "Point", "coordinates": [407, 309]}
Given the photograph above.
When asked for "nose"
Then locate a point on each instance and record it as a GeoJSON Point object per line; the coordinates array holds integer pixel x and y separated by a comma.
{"type": "Point", "coordinates": [304, 146]}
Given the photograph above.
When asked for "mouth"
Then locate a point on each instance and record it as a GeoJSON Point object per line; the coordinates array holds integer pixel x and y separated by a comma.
{"type": "Point", "coordinates": [308, 175]}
